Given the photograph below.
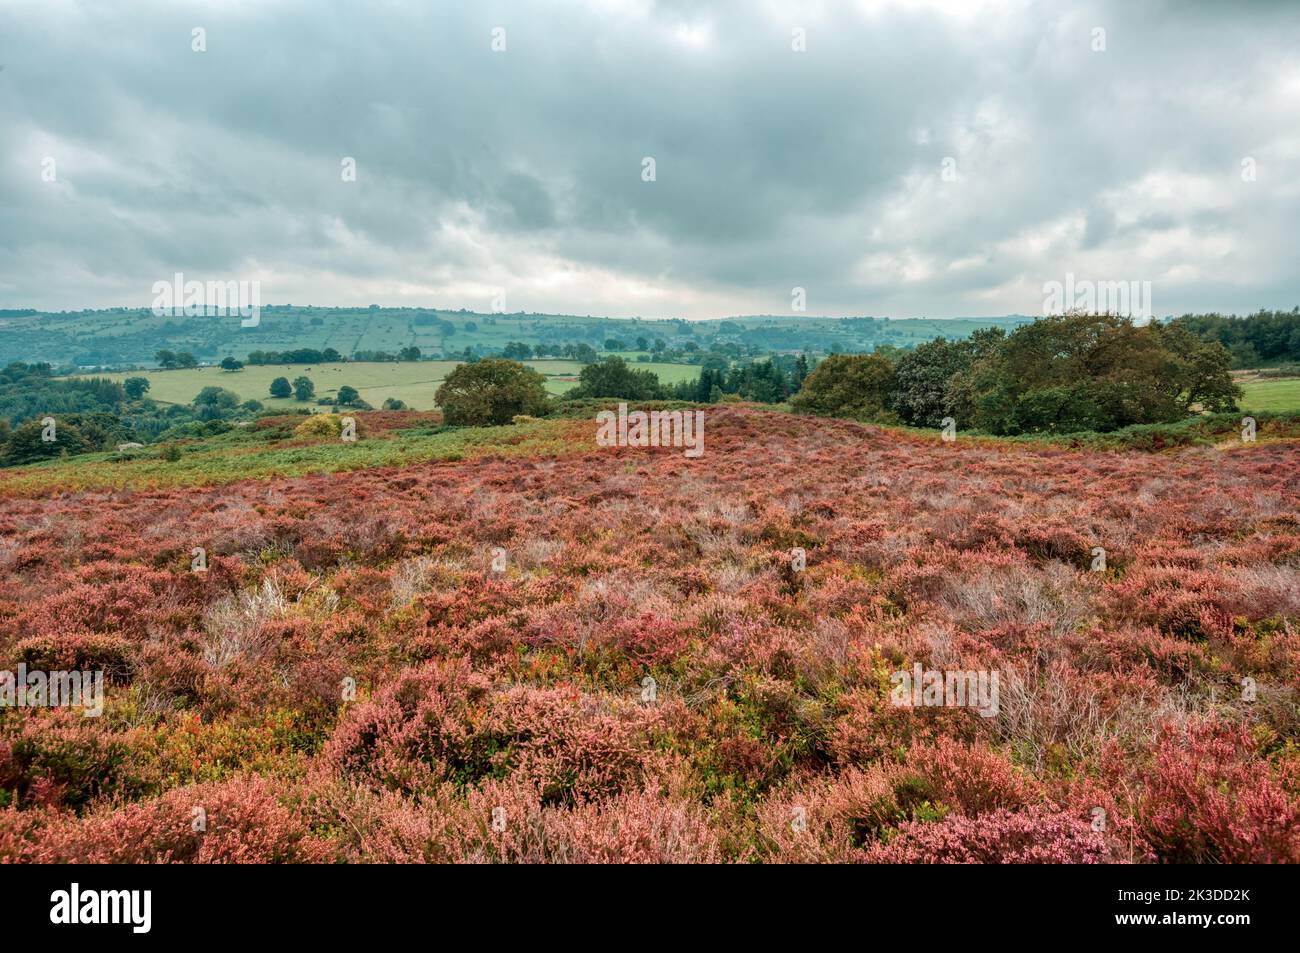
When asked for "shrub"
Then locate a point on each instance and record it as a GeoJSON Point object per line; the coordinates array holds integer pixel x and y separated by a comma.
{"type": "Point", "coordinates": [1035, 836]}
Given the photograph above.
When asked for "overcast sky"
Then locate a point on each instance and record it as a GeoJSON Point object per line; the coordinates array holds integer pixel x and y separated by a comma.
{"type": "Point", "coordinates": [522, 169]}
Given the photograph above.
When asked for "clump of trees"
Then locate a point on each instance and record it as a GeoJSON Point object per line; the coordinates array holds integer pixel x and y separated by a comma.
{"type": "Point", "coordinates": [349, 396]}
{"type": "Point", "coordinates": [923, 391]}
{"type": "Point", "coordinates": [32, 390]}
{"type": "Point", "coordinates": [1265, 337]}
{"type": "Point", "coordinates": [613, 377]}
{"type": "Point", "coordinates": [770, 380]}
{"type": "Point", "coordinates": [302, 355]}
{"type": "Point", "coordinates": [1065, 374]}
{"type": "Point", "coordinates": [411, 353]}
{"type": "Point", "coordinates": [170, 360]}
{"type": "Point", "coordinates": [490, 392]}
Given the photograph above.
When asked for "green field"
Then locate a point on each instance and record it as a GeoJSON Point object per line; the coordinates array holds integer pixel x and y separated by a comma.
{"type": "Point", "coordinates": [1282, 394]}
{"type": "Point", "coordinates": [667, 373]}
{"type": "Point", "coordinates": [414, 382]}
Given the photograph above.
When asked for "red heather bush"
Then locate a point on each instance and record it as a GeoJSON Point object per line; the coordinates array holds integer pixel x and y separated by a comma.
{"type": "Point", "coordinates": [870, 728]}
{"type": "Point", "coordinates": [1035, 836]}
{"type": "Point", "coordinates": [1208, 799]}
{"type": "Point", "coordinates": [655, 825]}
{"type": "Point", "coordinates": [117, 608]}
{"type": "Point", "coordinates": [972, 780]}
{"type": "Point", "coordinates": [833, 820]}
{"type": "Point", "coordinates": [848, 815]}
{"type": "Point", "coordinates": [449, 723]}
{"type": "Point", "coordinates": [76, 651]}
{"type": "Point", "coordinates": [61, 758]}
{"type": "Point", "coordinates": [648, 639]}
{"type": "Point", "coordinates": [245, 824]}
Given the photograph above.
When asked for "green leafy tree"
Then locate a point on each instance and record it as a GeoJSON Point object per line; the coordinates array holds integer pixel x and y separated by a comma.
{"type": "Point", "coordinates": [612, 377]}
{"type": "Point", "coordinates": [212, 396]}
{"type": "Point", "coordinates": [491, 392]}
{"type": "Point", "coordinates": [922, 379]}
{"type": "Point", "coordinates": [26, 444]}
{"type": "Point", "coordinates": [214, 403]}
{"type": "Point", "coordinates": [280, 387]}
{"type": "Point", "coordinates": [847, 385]}
{"type": "Point", "coordinates": [1096, 372]}
{"type": "Point", "coordinates": [1200, 370]}
{"type": "Point", "coordinates": [303, 388]}
{"type": "Point", "coordinates": [136, 387]}
{"type": "Point", "coordinates": [228, 363]}
{"type": "Point", "coordinates": [348, 396]}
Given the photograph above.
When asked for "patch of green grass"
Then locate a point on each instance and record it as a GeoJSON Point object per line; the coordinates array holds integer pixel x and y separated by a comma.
{"type": "Point", "coordinates": [1277, 395]}
{"type": "Point", "coordinates": [414, 382]}
{"type": "Point", "coordinates": [243, 454]}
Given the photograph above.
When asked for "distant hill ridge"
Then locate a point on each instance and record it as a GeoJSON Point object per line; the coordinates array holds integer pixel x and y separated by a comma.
{"type": "Point", "coordinates": [122, 337]}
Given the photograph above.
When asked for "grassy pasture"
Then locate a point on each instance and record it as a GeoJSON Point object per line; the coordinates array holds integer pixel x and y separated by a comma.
{"type": "Point", "coordinates": [412, 381]}
{"type": "Point", "coordinates": [1264, 394]}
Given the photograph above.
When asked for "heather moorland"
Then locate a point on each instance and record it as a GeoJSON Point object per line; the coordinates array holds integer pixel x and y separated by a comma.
{"type": "Point", "coordinates": [512, 644]}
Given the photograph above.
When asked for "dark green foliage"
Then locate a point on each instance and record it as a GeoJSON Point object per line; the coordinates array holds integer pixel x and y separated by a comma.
{"type": "Point", "coordinates": [848, 385]}
{"type": "Point", "coordinates": [212, 396]}
{"type": "Point", "coordinates": [303, 355]}
{"type": "Point", "coordinates": [923, 377]}
{"type": "Point", "coordinates": [612, 377]}
{"type": "Point", "coordinates": [1266, 337]}
{"type": "Point", "coordinates": [136, 387]}
{"type": "Point", "coordinates": [1081, 372]}
{"type": "Point", "coordinates": [27, 444]}
{"type": "Point", "coordinates": [491, 392]}
{"type": "Point", "coordinates": [28, 391]}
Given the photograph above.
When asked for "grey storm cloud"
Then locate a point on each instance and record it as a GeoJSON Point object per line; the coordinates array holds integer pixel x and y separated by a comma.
{"type": "Point", "coordinates": [521, 169]}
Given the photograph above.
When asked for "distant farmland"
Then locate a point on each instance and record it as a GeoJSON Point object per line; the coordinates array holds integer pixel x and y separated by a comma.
{"type": "Point", "coordinates": [414, 382]}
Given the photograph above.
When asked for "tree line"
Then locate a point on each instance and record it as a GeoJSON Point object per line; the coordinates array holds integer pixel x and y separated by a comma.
{"type": "Point", "coordinates": [1067, 374]}
{"type": "Point", "coordinates": [1262, 338]}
